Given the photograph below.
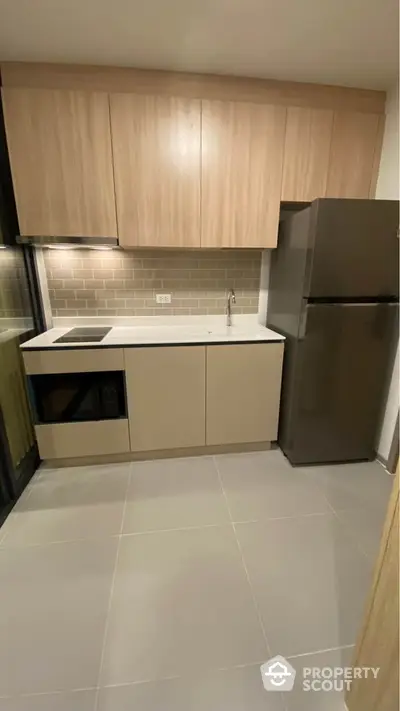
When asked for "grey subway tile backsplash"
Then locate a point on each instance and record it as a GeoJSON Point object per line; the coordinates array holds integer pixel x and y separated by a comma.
{"type": "Point", "coordinates": [14, 291]}
{"type": "Point", "coordinates": [117, 283]}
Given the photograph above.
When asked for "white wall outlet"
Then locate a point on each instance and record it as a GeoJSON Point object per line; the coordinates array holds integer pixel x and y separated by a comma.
{"type": "Point", "coordinates": [163, 298]}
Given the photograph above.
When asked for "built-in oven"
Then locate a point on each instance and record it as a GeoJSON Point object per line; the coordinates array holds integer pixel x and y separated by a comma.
{"type": "Point", "coordinates": [78, 397]}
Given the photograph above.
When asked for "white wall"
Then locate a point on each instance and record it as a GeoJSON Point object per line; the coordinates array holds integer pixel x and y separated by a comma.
{"type": "Point", "coordinates": [264, 284]}
{"type": "Point", "coordinates": [388, 188]}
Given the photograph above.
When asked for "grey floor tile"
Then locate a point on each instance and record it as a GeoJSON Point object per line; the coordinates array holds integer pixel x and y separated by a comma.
{"type": "Point", "coordinates": [263, 485]}
{"type": "Point", "coordinates": [74, 701]}
{"type": "Point", "coordinates": [86, 505]}
{"type": "Point", "coordinates": [365, 485]}
{"type": "Point", "coordinates": [367, 527]}
{"type": "Point", "coordinates": [53, 601]}
{"type": "Point", "coordinates": [181, 601]}
{"type": "Point", "coordinates": [22, 501]}
{"type": "Point", "coordinates": [310, 581]}
{"type": "Point", "coordinates": [174, 493]}
{"type": "Point", "coordinates": [232, 690]}
{"type": "Point", "coordinates": [63, 474]}
{"type": "Point", "coordinates": [317, 700]}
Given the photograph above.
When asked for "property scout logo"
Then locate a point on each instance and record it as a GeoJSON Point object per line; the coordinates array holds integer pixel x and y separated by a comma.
{"type": "Point", "coordinates": [278, 675]}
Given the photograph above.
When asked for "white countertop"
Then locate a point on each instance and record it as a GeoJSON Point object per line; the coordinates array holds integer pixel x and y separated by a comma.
{"type": "Point", "coordinates": [162, 330]}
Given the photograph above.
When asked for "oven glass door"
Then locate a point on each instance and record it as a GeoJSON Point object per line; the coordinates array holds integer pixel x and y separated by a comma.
{"type": "Point", "coordinates": [78, 397]}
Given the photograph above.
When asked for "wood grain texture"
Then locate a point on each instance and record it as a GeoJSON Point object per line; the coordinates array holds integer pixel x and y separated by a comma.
{"type": "Point", "coordinates": [243, 393]}
{"type": "Point", "coordinates": [165, 389]}
{"type": "Point", "coordinates": [73, 361]}
{"type": "Point", "coordinates": [60, 152]}
{"type": "Point", "coordinates": [82, 439]}
{"type": "Point", "coordinates": [195, 86]}
{"type": "Point", "coordinates": [352, 154]}
{"type": "Point", "coordinates": [241, 175]}
{"type": "Point", "coordinates": [306, 156]}
{"type": "Point", "coordinates": [156, 148]}
{"type": "Point", "coordinates": [378, 644]}
{"type": "Point", "coordinates": [14, 401]}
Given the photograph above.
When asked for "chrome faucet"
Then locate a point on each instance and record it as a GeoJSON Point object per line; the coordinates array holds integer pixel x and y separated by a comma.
{"type": "Point", "coordinates": [231, 300]}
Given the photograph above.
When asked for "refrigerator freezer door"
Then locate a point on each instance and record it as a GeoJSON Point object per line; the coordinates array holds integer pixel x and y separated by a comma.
{"type": "Point", "coordinates": [331, 405]}
{"type": "Point", "coordinates": [356, 249]}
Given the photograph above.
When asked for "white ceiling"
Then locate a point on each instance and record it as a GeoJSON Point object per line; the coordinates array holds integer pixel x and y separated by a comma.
{"type": "Point", "coordinates": [348, 42]}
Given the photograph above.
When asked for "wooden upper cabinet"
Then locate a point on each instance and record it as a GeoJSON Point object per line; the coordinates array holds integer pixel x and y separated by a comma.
{"type": "Point", "coordinates": [306, 158]}
{"type": "Point", "coordinates": [156, 148]}
{"type": "Point", "coordinates": [60, 153]}
{"type": "Point", "coordinates": [354, 148]}
{"type": "Point", "coordinates": [242, 156]}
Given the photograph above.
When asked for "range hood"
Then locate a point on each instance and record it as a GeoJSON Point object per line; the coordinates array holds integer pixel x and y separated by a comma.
{"type": "Point", "coordinates": [69, 242]}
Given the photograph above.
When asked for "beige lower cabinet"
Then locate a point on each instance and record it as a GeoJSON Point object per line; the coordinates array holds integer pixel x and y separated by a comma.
{"type": "Point", "coordinates": [243, 392]}
{"type": "Point", "coordinates": [82, 439]}
{"type": "Point", "coordinates": [166, 397]}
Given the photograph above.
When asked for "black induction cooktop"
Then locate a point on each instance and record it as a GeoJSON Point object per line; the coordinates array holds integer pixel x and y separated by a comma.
{"type": "Point", "coordinates": [85, 334]}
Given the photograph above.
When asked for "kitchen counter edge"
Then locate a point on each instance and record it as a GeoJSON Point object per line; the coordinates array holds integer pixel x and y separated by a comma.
{"type": "Point", "coordinates": [268, 337]}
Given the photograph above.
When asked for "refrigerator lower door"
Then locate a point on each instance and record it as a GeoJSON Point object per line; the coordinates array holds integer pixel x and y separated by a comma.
{"type": "Point", "coordinates": [336, 375]}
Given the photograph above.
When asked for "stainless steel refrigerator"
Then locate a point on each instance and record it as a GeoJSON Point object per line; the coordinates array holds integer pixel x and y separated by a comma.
{"type": "Point", "coordinates": [333, 293]}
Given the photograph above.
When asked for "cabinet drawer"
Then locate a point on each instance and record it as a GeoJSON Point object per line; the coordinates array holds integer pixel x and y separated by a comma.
{"type": "Point", "coordinates": [73, 361]}
{"type": "Point", "coordinates": [82, 439]}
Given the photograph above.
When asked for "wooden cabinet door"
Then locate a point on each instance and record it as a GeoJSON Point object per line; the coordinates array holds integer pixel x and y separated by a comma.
{"type": "Point", "coordinates": [378, 644]}
{"type": "Point", "coordinates": [242, 156]}
{"type": "Point", "coordinates": [243, 392]}
{"type": "Point", "coordinates": [156, 148]}
{"type": "Point", "coordinates": [60, 152]}
{"type": "Point", "coordinates": [306, 158]}
{"type": "Point", "coordinates": [355, 140]}
{"type": "Point", "coordinates": [166, 397]}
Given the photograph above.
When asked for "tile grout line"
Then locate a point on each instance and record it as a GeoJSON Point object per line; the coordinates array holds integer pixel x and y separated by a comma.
{"type": "Point", "coordinates": [96, 700]}
{"type": "Point", "coordinates": [151, 680]}
{"type": "Point", "coordinates": [168, 678]}
{"type": "Point", "coordinates": [231, 522]}
{"type": "Point", "coordinates": [257, 609]}
{"type": "Point", "coordinates": [152, 531]}
{"type": "Point", "coordinates": [57, 692]}
{"type": "Point", "coordinates": [242, 559]}
{"type": "Point", "coordinates": [61, 542]}
{"type": "Point", "coordinates": [320, 651]}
